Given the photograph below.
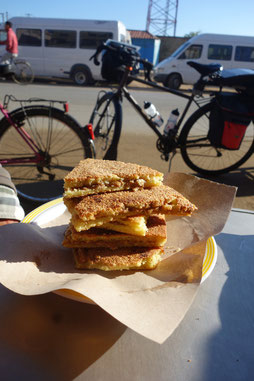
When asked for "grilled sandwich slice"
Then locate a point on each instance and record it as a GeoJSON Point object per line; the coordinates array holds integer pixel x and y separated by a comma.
{"type": "Point", "coordinates": [156, 236]}
{"type": "Point", "coordinates": [92, 176]}
{"type": "Point", "coordinates": [96, 210]}
{"type": "Point", "coordinates": [128, 258]}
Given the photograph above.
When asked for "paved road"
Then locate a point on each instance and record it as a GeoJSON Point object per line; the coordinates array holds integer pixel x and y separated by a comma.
{"type": "Point", "coordinates": [138, 143]}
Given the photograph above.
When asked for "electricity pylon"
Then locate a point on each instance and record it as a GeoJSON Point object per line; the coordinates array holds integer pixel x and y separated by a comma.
{"type": "Point", "coordinates": [162, 17]}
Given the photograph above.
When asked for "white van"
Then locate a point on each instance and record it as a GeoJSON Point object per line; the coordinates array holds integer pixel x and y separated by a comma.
{"type": "Point", "coordinates": [62, 47]}
{"type": "Point", "coordinates": [229, 51]}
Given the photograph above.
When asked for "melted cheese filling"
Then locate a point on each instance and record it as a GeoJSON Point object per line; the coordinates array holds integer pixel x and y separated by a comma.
{"type": "Point", "coordinates": [113, 186]}
{"type": "Point", "coordinates": [132, 225]}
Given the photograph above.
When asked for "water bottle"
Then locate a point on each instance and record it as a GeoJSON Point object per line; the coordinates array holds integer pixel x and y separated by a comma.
{"type": "Point", "coordinates": [171, 122]}
{"type": "Point", "coordinates": [150, 110]}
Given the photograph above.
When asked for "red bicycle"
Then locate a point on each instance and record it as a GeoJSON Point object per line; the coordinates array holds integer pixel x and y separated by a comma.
{"type": "Point", "coordinates": [40, 144]}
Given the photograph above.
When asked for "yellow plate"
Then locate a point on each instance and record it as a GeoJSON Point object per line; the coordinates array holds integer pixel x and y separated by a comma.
{"type": "Point", "coordinates": [55, 208]}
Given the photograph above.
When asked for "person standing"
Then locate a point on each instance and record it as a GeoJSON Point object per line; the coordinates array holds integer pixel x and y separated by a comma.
{"type": "Point", "coordinates": [11, 44]}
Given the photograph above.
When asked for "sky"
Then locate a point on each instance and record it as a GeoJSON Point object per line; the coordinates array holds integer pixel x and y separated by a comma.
{"type": "Point", "coordinates": [203, 16]}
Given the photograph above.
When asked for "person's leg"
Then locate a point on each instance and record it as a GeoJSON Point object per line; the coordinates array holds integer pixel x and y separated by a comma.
{"type": "Point", "coordinates": [13, 57]}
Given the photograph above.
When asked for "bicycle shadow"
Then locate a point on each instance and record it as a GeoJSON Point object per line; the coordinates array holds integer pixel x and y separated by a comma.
{"type": "Point", "coordinates": [242, 178]}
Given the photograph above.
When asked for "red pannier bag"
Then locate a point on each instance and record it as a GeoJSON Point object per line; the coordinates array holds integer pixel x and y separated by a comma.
{"type": "Point", "coordinates": [233, 134]}
{"type": "Point", "coordinates": [229, 119]}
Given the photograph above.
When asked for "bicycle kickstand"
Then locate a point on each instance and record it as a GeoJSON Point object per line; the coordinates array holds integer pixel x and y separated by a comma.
{"type": "Point", "coordinates": [171, 156]}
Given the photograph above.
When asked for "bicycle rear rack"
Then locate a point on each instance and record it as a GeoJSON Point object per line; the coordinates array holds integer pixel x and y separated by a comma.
{"type": "Point", "coordinates": [24, 102]}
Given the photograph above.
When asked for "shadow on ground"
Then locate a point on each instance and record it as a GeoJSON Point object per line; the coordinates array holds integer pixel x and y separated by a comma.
{"type": "Point", "coordinates": [242, 178]}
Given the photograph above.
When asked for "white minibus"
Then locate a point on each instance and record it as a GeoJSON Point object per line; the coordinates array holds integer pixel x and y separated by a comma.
{"type": "Point", "coordinates": [228, 50]}
{"type": "Point", "coordinates": [62, 47]}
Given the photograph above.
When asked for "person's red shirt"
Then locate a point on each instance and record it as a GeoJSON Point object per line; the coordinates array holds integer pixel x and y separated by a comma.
{"type": "Point", "coordinates": [12, 42]}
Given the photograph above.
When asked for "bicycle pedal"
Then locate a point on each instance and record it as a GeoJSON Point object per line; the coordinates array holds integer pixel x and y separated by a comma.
{"type": "Point", "coordinates": [165, 157]}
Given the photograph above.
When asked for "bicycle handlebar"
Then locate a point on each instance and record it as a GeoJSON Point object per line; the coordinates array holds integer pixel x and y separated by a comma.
{"type": "Point", "coordinates": [148, 66]}
{"type": "Point", "coordinates": [94, 57]}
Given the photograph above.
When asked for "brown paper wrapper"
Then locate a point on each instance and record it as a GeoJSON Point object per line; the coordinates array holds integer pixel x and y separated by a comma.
{"type": "Point", "coordinates": [152, 303]}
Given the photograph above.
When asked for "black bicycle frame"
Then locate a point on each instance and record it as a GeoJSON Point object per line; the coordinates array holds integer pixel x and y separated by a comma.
{"type": "Point", "coordinates": [137, 107]}
{"type": "Point", "coordinates": [147, 119]}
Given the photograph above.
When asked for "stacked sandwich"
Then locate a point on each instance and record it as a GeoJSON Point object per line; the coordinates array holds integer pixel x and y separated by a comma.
{"type": "Point", "coordinates": [118, 214]}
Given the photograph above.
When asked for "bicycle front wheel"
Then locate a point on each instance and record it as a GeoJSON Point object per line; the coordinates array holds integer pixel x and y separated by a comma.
{"type": "Point", "coordinates": [61, 144]}
{"type": "Point", "coordinates": [23, 73]}
{"type": "Point", "coordinates": [107, 124]}
{"type": "Point", "coordinates": [199, 154]}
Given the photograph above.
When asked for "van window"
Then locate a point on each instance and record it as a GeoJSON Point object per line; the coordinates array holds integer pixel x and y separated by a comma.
{"type": "Point", "coordinates": [219, 52]}
{"type": "Point", "coordinates": [244, 53]}
{"type": "Point", "coordinates": [180, 49]}
{"type": "Point", "coordinates": [60, 38]}
{"type": "Point", "coordinates": [91, 40]}
{"type": "Point", "coordinates": [193, 52]}
{"type": "Point", "coordinates": [28, 37]}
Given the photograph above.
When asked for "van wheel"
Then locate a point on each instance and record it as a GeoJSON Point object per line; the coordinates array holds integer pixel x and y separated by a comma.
{"type": "Point", "coordinates": [81, 76]}
{"type": "Point", "coordinates": [173, 81]}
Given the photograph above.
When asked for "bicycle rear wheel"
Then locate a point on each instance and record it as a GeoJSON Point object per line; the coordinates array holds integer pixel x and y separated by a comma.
{"type": "Point", "coordinates": [107, 124]}
{"type": "Point", "coordinates": [23, 74]}
{"type": "Point", "coordinates": [201, 156]}
{"type": "Point", "coordinates": [62, 144]}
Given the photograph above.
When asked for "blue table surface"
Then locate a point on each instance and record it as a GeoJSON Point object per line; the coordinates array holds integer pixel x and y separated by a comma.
{"type": "Point", "coordinates": [47, 337]}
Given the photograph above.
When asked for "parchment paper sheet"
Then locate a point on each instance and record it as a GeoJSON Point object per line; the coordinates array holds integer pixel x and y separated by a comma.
{"type": "Point", "coordinates": [152, 303]}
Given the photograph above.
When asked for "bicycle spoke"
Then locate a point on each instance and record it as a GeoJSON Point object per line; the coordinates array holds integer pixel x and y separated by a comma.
{"type": "Point", "coordinates": [33, 131]}
{"type": "Point", "coordinates": [62, 145]}
{"type": "Point", "coordinates": [107, 121]}
{"type": "Point", "coordinates": [200, 155]}
{"type": "Point", "coordinates": [23, 73]}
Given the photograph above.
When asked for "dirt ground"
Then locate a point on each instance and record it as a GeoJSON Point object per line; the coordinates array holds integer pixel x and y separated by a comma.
{"type": "Point", "coordinates": [142, 149]}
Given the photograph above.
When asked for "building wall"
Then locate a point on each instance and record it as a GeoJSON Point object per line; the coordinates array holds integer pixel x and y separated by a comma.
{"type": "Point", "coordinates": [156, 50]}
{"type": "Point", "coordinates": [150, 48]}
{"type": "Point", "coordinates": [169, 45]}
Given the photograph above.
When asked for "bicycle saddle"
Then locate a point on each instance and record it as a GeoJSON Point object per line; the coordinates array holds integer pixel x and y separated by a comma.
{"type": "Point", "coordinates": [205, 69]}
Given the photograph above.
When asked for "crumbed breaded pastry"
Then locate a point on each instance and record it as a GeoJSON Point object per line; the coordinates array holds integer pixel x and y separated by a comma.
{"type": "Point", "coordinates": [118, 215]}
{"type": "Point", "coordinates": [156, 236]}
{"type": "Point", "coordinates": [95, 210]}
{"type": "Point", "coordinates": [92, 176]}
{"type": "Point", "coordinates": [128, 258]}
